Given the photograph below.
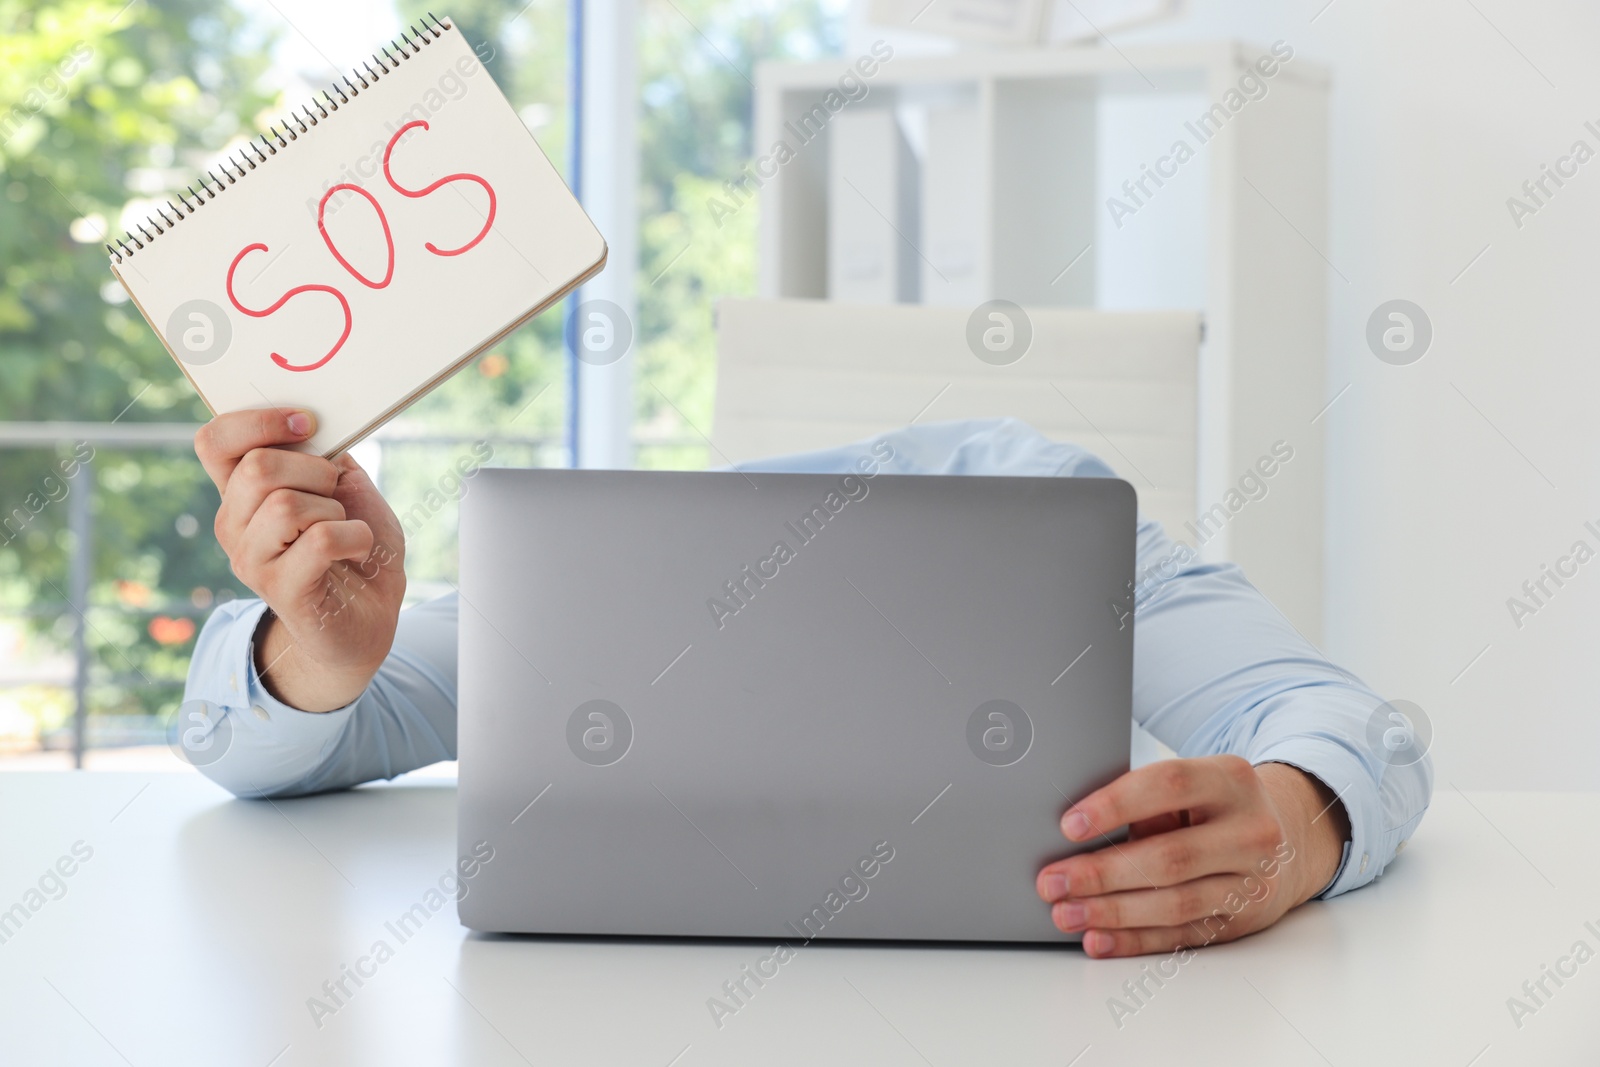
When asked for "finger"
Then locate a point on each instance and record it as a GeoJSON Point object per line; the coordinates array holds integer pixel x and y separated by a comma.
{"type": "Point", "coordinates": [352, 475]}
{"type": "Point", "coordinates": [261, 471]}
{"type": "Point", "coordinates": [277, 524]}
{"type": "Point", "coordinates": [1103, 944]}
{"type": "Point", "coordinates": [1150, 863]}
{"type": "Point", "coordinates": [1214, 929]}
{"type": "Point", "coordinates": [303, 568]}
{"type": "Point", "coordinates": [223, 441]}
{"type": "Point", "coordinates": [1157, 789]}
{"type": "Point", "coordinates": [1188, 902]}
{"type": "Point", "coordinates": [1160, 824]}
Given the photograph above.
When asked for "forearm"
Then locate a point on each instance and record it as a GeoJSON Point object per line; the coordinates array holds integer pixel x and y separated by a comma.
{"type": "Point", "coordinates": [1218, 669]}
{"type": "Point", "coordinates": [403, 719]}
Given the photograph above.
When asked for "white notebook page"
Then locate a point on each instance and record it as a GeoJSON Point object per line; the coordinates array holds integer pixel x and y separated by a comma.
{"type": "Point", "coordinates": [414, 282]}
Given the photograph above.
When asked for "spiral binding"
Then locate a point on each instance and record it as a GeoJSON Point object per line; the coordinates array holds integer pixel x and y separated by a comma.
{"type": "Point", "coordinates": [412, 39]}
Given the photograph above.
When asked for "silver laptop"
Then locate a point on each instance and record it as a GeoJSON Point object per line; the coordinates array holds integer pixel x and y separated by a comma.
{"type": "Point", "coordinates": [787, 706]}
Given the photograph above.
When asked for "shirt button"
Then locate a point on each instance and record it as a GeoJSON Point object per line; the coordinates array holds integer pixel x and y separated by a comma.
{"type": "Point", "coordinates": [1364, 856]}
{"type": "Point", "coordinates": [233, 682]}
{"type": "Point", "coordinates": [261, 713]}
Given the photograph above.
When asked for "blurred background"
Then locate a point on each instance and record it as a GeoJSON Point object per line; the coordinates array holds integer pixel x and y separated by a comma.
{"type": "Point", "coordinates": [1442, 482]}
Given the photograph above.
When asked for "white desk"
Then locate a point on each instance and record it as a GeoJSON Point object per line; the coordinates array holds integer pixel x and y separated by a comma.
{"type": "Point", "coordinates": [201, 925]}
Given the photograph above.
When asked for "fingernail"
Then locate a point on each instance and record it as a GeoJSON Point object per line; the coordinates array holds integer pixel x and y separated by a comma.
{"type": "Point", "coordinates": [1071, 916]}
{"type": "Point", "coordinates": [299, 423]}
{"type": "Point", "coordinates": [1075, 825]}
{"type": "Point", "coordinates": [1097, 943]}
{"type": "Point", "coordinates": [1056, 886]}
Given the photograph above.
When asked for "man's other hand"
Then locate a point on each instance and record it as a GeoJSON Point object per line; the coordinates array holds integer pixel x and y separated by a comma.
{"type": "Point", "coordinates": [1216, 849]}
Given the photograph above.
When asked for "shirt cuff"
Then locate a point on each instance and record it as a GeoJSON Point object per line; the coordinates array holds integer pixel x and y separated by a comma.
{"type": "Point", "coordinates": [1368, 850]}
{"type": "Point", "coordinates": [270, 741]}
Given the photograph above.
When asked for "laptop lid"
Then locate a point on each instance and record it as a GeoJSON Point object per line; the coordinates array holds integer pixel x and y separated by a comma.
{"type": "Point", "coordinates": [785, 705]}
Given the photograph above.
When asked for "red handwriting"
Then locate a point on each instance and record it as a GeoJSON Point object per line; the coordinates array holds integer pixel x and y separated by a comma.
{"type": "Point", "coordinates": [416, 194]}
{"type": "Point", "coordinates": [388, 237]}
{"type": "Point", "coordinates": [327, 238]}
{"type": "Point", "coordinates": [284, 299]}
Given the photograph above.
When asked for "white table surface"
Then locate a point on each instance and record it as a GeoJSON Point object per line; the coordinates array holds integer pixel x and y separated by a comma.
{"type": "Point", "coordinates": [200, 926]}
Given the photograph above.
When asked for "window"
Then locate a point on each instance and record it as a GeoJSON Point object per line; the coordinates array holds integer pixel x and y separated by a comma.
{"type": "Point", "coordinates": [696, 68]}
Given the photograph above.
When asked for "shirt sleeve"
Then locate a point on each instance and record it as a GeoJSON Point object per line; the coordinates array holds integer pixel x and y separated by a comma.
{"type": "Point", "coordinates": [405, 719]}
{"type": "Point", "coordinates": [1218, 669]}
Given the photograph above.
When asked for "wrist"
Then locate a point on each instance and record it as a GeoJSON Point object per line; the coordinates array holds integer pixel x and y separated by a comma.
{"type": "Point", "coordinates": [1315, 824]}
{"type": "Point", "coordinates": [288, 670]}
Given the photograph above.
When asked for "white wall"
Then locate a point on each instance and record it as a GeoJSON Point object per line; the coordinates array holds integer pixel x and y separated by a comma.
{"type": "Point", "coordinates": [1437, 513]}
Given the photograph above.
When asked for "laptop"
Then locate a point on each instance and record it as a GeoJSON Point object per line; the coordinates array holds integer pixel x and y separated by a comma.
{"type": "Point", "coordinates": [784, 706]}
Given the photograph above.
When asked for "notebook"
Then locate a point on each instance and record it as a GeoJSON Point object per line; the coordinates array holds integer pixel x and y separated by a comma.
{"type": "Point", "coordinates": [365, 249]}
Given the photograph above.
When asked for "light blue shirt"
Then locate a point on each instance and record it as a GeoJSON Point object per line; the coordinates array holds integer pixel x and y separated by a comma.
{"type": "Point", "coordinates": [1216, 669]}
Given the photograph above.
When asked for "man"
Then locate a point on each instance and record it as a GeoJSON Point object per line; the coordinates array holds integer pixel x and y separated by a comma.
{"type": "Point", "coordinates": [1278, 798]}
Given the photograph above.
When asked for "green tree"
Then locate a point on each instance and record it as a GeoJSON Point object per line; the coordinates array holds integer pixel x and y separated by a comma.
{"type": "Point", "coordinates": [98, 101]}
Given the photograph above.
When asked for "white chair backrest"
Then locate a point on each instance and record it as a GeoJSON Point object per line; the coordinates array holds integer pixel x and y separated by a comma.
{"type": "Point", "coordinates": [800, 375]}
